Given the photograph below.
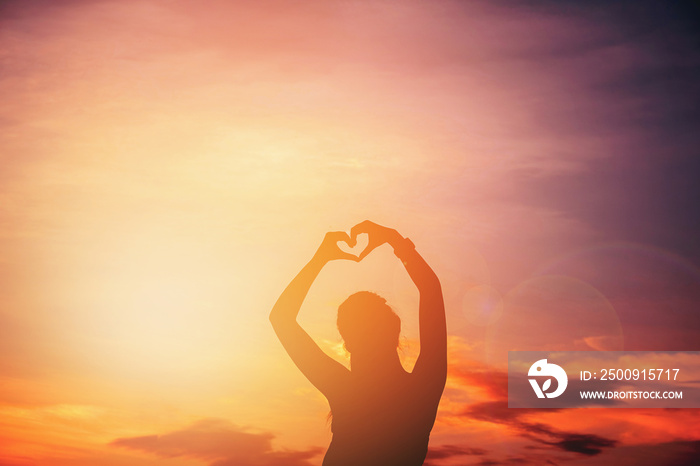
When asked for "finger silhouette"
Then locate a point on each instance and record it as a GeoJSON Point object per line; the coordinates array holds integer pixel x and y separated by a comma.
{"type": "Point", "coordinates": [351, 257]}
{"type": "Point", "coordinates": [362, 227]}
{"type": "Point", "coordinates": [336, 237]}
{"type": "Point", "coordinates": [368, 227]}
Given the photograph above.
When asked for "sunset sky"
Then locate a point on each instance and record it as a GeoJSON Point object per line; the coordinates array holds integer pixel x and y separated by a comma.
{"type": "Point", "coordinates": [167, 167]}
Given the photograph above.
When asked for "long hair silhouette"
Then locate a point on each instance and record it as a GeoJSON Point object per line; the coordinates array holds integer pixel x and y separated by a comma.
{"type": "Point", "coordinates": [381, 414]}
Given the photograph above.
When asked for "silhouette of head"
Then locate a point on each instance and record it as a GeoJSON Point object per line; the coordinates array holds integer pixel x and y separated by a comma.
{"type": "Point", "coordinates": [368, 324]}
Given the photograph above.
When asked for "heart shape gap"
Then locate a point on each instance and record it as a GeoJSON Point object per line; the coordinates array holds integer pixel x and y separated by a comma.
{"type": "Point", "coordinates": [362, 241]}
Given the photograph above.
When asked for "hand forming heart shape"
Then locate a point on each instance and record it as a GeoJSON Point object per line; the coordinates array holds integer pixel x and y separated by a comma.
{"type": "Point", "coordinates": [370, 234]}
{"type": "Point", "coordinates": [361, 242]}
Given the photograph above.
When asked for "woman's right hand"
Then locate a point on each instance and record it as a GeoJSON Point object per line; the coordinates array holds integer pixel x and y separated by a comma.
{"type": "Point", "coordinates": [329, 250]}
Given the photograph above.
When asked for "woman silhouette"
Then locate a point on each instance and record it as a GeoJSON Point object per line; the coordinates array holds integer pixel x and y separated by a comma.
{"type": "Point", "coordinates": [381, 414]}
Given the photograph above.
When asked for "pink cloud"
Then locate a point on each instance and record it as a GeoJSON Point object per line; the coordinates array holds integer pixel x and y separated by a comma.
{"type": "Point", "coordinates": [220, 442]}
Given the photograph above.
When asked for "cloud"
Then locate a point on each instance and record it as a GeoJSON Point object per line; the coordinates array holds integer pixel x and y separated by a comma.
{"type": "Point", "coordinates": [493, 382]}
{"type": "Point", "coordinates": [220, 442]}
{"type": "Point", "coordinates": [450, 451]}
{"type": "Point", "coordinates": [498, 412]}
{"type": "Point", "coordinates": [679, 453]}
{"type": "Point", "coordinates": [585, 444]}
{"type": "Point", "coordinates": [512, 460]}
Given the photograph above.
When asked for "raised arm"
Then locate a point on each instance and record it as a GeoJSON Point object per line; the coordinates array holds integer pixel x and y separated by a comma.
{"type": "Point", "coordinates": [322, 371]}
{"type": "Point", "coordinates": [432, 361]}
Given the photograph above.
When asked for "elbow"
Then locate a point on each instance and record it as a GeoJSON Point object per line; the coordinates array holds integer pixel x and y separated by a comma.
{"type": "Point", "coordinates": [276, 323]}
{"type": "Point", "coordinates": [274, 318]}
{"type": "Point", "coordinates": [278, 320]}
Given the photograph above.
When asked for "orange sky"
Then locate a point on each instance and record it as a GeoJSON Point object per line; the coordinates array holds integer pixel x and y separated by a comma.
{"type": "Point", "coordinates": [168, 166]}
